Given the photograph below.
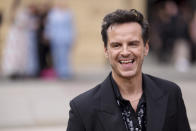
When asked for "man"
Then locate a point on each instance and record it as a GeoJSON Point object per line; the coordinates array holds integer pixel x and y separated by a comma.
{"type": "Point", "coordinates": [128, 100]}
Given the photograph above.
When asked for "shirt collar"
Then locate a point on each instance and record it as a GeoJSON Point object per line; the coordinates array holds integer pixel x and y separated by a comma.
{"type": "Point", "coordinates": [117, 92]}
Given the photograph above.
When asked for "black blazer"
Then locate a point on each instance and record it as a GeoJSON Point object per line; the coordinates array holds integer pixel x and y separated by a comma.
{"type": "Point", "coordinates": [97, 110]}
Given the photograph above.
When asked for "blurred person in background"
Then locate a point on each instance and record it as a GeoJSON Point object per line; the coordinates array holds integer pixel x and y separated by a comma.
{"type": "Point", "coordinates": [44, 47]}
{"type": "Point", "coordinates": [61, 34]}
{"type": "Point", "coordinates": [19, 55]}
{"type": "Point", "coordinates": [169, 36]}
{"type": "Point", "coordinates": [32, 62]}
{"type": "Point", "coordinates": [192, 32]}
{"type": "Point", "coordinates": [128, 100]}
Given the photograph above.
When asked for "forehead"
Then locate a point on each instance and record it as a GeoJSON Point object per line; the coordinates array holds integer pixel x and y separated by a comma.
{"type": "Point", "coordinates": [129, 29]}
{"type": "Point", "coordinates": [125, 26]}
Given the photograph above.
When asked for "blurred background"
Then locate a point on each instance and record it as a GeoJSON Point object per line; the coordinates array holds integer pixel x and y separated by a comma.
{"type": "Point", "coordinates": [51, 51]}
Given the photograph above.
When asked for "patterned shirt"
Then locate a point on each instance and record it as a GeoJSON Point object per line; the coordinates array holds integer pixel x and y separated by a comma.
{"type": "Point", "coordinates": [134, 120]}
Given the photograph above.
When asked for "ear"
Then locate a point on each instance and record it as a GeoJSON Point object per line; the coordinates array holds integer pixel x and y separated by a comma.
{"type": "Point", "coordinates": [106, 52]}
{"type": "Point", "coordinates": [146, 49]}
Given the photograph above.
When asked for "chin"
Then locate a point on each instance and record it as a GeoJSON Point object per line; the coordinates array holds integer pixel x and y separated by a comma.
{"type": "Point", "coordinates": [128, 74]}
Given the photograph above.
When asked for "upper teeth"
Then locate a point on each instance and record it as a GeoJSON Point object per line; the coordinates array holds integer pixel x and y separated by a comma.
{"type": "Point", "coordinates": [125, 62]}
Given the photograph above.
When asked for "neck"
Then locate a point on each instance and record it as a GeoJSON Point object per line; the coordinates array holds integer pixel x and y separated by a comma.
{"type": "Point", "coordinates": [129, 88]}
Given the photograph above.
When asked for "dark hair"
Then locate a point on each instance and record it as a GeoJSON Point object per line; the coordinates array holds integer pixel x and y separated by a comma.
{"type": "Point", "coordinates": [122, 16]}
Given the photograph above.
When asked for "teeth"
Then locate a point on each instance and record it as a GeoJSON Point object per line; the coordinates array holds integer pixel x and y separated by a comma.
{"type": "Point", "coordinates": [128, 61]}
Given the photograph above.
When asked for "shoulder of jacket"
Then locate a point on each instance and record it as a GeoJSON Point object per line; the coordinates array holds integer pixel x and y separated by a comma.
{"type": "Point", "coordinates": [87, 97]}
{"type": "Point", "coordinates": [163, 83]}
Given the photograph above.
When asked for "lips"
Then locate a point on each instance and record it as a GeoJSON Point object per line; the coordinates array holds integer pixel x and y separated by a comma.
{"type": "Point", "coordinates": [127, 61]}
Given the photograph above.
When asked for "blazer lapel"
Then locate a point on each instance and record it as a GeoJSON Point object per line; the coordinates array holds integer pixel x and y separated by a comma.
{"type": "Point", "coordinates": [109, 113]}
{"type": "Point", "coordinates": [156, 104]}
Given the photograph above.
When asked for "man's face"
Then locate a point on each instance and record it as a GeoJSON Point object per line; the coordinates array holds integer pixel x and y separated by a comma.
{"type": "Point", "coordinates": [125, 49]}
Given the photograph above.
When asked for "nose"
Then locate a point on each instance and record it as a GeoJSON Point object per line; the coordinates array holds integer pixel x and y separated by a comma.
{"type": "Point", "coordinates": [125, 51]}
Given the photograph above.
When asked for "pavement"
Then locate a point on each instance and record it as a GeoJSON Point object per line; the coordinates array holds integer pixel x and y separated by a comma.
{"type": "Point", "coordinates": [43, 104]}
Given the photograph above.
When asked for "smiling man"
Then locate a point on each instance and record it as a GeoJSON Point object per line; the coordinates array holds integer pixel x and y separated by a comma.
{"type": "Point", "coordinates": [128, 100]}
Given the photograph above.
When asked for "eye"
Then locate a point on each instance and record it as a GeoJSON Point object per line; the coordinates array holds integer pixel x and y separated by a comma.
{"type": "Point", "coordinates": [115, 45]}
{"type": "Point", "coordinates": [133, 43]}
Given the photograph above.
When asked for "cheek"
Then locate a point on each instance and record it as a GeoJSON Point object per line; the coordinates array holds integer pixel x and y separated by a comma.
{"type": "Point", "coordinates": [112, 55]}
{"type": "Point", "coordinates": [138, 52]}
{"type": "Point", "coordinates": [142, 51]}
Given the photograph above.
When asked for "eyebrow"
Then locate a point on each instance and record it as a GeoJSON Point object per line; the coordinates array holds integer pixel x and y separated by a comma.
{"type": "Point", "coordinates": [112, 43]}
{"type": "Point", "coordinates": [134, 41]}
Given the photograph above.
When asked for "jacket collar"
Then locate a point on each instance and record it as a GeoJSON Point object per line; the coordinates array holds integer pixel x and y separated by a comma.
{"type": "Point", "coordinates": [110, 115]}
{"type": "Point", "coordinates": [156, 101]}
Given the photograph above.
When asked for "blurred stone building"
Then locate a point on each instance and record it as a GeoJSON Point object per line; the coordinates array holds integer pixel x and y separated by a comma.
{"type": "Point", "coordinates": [88, 15]}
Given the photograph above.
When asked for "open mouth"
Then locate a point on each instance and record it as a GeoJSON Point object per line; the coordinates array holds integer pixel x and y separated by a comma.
{"type": "Point", "coordinates": [127, 61]}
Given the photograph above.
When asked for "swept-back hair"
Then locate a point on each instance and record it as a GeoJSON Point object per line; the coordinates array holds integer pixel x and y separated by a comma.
{"type": "Point", "coordinates": [123, 16]}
